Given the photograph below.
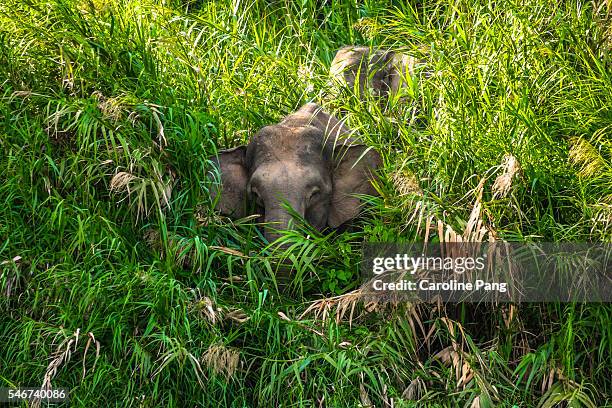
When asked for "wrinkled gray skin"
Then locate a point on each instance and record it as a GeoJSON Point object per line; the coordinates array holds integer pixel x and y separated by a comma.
{"type": "Point", "coordinates": [309, 161]}
{"type": "Point", "coordinates": [380, 72]}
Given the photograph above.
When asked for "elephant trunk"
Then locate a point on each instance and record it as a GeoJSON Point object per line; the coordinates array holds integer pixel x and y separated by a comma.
{"type": "Point", "coordinates": [278, 219]}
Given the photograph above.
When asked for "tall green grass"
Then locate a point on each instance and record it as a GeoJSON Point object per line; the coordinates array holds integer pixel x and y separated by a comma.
{"type": "Point", "coordinates": [109, 248]}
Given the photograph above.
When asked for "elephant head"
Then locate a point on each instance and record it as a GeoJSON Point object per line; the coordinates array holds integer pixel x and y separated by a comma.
{"type": "Point", "coordinates": [308, 161]}
{"type": "Point", "coordinates": [373, 70]}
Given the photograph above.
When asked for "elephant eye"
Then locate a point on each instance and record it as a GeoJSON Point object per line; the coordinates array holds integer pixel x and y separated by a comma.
{"type": "Point", "coordinates": [314, 194]}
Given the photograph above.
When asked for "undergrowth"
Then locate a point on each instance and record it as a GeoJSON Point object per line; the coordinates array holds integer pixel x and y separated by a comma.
{"type": "Point", "coordinates": [118, 281]}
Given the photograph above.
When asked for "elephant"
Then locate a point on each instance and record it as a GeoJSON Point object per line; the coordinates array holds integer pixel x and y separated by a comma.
{"type": "Point", "coordinates": [309, 161]}
{"type": "Point", "coordinates": [381, 72]}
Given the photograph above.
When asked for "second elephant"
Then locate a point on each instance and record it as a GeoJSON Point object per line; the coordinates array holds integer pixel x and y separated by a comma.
{"type": "Point", "coordinates": [366, 70]}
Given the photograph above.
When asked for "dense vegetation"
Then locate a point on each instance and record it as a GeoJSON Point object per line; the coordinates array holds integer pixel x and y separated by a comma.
{"type": "Point", "coordinates": [118, 281]}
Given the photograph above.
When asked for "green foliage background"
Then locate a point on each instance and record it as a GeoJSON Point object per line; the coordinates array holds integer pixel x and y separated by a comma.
{"type": "Point", "coordinates": [118, 282]}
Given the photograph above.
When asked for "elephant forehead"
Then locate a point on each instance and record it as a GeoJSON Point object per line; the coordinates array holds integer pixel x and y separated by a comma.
{"type": "Point", "coordinates": [289, 173]}
{"type": "Point", "coordinates": [279, 143]}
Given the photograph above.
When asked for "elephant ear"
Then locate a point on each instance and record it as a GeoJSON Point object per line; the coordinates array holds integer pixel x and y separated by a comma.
{"type": "Point", "coordinates": [233, 177]}
{"type": "Point", "coordinates": [352, 175]}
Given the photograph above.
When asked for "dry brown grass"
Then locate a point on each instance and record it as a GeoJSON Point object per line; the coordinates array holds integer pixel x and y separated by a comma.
{"type": "Point", "coordinates": [237, 315]}
{"type": "Point", "coordinates": [147, 192]}
{"type": "Point", "coordinates": [510, 169]}
{"type": "Point", "coordinates": [406, 183]}
{"type": "Point", "coordinates": [121, 181]}
{"type": "Point", "coordinates": [415, 390]}
{"type": "Point", "coordinates": [221, 360]}
{"type": "Point", "coordinates": [8, 275]}
{"type": "Point", "coordinates": [206, 308]}
{"type": "Point", "coordinates": [63, 354]}
{"type": "Point", "coordinates": [322, 309]}
{"type": "Point", "coordinates": [111, 108]}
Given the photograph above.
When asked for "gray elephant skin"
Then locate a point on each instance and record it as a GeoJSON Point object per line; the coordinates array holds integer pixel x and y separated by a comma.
{"type": "Point", "coordinates": [379, 72]}
{"type": "Point", "coordinates": [308, 161]}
